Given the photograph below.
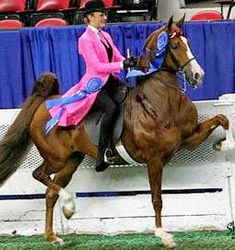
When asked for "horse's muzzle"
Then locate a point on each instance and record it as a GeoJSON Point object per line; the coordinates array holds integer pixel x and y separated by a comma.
{"type": "Point", "coordinates": [195, 78]}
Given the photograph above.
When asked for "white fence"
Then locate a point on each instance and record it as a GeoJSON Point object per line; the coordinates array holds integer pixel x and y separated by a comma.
{"type": "Point", "coordinates": [199, 191]}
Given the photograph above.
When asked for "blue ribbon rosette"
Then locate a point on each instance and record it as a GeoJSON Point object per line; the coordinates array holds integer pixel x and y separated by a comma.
{"type": "Point", "coordinates": [162, 42]}
{"type": "Point", "coordinates": [93, 85]}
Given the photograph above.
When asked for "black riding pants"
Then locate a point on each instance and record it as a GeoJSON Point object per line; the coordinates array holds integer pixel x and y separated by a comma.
{"type": "Point", "coordinates": [105, 102]}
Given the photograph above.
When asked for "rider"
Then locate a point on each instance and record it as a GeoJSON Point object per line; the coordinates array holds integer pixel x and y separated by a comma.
{"type": "Point", "coordinates": [108, 61]}
{"type": "Point", "coordinates": [103, 62]}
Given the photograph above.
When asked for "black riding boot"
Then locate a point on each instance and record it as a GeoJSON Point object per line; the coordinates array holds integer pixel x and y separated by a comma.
{"type": "Point", "coordinates": [101, 165]}
{"type": "Point", "coordinates": [103, 145]}
{"type": "Point", "coordinates": [105, 103]}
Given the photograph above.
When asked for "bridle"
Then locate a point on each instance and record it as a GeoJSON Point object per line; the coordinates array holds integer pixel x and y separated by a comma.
{"type": "Point", "coordinates": [158, 63]}
{"type": "Point", "coordinates": [179, 67]}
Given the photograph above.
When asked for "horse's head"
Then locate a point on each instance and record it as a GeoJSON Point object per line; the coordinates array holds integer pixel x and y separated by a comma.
{"type": "Point", "coordinates": [177, 56]}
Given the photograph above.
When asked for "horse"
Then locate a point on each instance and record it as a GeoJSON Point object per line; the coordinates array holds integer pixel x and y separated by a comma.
{"type": "Point", "coordinates": [159, 120]}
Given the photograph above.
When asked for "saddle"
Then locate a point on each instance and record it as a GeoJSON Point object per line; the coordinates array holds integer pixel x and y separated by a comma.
{"type": "Point", "coordinates": [92, 125]}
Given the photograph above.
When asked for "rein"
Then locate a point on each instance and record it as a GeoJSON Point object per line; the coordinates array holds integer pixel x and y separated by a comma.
{"type": "Point", "coordinates": [179, 67]}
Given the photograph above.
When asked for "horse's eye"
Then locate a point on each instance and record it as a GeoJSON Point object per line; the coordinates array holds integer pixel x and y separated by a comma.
{"type": "Point", "coordinates": [174, 45]}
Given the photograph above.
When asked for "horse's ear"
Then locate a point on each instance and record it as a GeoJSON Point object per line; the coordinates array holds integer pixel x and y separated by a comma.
{"type": "Point", "coordinates": [181, 21]}
{"type": "Point", "coordinates": [170, 22]}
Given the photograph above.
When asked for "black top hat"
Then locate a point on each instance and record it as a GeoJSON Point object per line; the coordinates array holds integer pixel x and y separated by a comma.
{"type": "Point", "coordinates": [94, 6]}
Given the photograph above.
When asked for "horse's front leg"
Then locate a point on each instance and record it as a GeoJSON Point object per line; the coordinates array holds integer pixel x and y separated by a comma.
{"type": "Point", "coordinates": [204, 129]}
{"type": "Point", "coordinates": [155, 168]}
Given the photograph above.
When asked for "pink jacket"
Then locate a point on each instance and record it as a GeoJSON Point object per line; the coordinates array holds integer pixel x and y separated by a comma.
{"type": "Point", "coordinates": [97, 65]}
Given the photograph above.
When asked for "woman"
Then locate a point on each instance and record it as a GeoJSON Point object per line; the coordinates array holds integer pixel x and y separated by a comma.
{"type": "Point", "coordinates": [103, 62]}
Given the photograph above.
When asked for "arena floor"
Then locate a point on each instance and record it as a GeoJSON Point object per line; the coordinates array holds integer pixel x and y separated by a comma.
{"type": "Point", "coordinates": [208, 240]}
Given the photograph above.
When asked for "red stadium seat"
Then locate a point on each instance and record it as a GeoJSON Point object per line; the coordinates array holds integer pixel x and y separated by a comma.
{"type": "Point", "coordinates": [82, 4]}
{"type": "Point", "coordinates": [112, 10]}
{"type": "Point", "coordinates": [50, 5]}
{"type": "Point", "coordinates": [109, 5]}
{"type": "Point", "coordinates": [51, 8]}
{"type": "Point", "coordinates": [13, 9]}
{"type": "Point", "coordinates": [206, 15]}
{"type": "Point", "coordinates": [12, 5]}
{"type": "Point", "coordinates": [51, 22]}
{"type": "Point", "coordinates": [10, 24]}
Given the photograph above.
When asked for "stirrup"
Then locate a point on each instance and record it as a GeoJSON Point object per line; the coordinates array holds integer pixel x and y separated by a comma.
{"type": "Point", "coordinates": [109, 156]}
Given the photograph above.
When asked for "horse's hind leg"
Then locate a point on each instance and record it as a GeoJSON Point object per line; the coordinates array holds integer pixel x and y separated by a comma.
{"type": "Point", "coordinates": [55, 186]}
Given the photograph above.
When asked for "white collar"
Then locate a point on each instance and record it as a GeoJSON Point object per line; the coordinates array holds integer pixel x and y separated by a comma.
{"type": "Point", "coordinates": [94, 29]}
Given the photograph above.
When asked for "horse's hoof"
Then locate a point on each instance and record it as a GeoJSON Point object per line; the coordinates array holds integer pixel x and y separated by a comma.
{"type": "Point", "coordinates": [57, 241]}
{"type": "Point", "coordinates": [217, 145]}
{"type": "Point", "coordinates": [223, 145]}
{"type": "Point", "coordinates": [168, 242]}
{"type": "Point", "coordinates": [68, 213]}
{"type": "Point", "coordinates": [69, 209]}
{"type": "Point", "coordinates": [166, 239]}
{"type": "Point", "coordinates": [68, 203]}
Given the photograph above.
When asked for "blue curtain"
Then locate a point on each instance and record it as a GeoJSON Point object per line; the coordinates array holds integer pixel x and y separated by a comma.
{"type": "Point", "coordinates": [11, 78]}
{"type": "Point", "coordinates": [213, 45]}
{"type": "Point", "coordinates": [51, 49]}
{"type": "Point", "coordinates": [25, 54]}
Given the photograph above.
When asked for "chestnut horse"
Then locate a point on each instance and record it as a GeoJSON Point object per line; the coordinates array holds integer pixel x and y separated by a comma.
{"type": "Point", "coordinates": [158, 121]}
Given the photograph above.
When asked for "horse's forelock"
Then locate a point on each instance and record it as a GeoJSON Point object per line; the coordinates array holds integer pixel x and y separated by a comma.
{"type": "Point", "coordinates": [175, 29]}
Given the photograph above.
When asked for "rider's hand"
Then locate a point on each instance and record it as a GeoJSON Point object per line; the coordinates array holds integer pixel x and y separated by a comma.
{"type": "Point", "coordinates": [129, 62]}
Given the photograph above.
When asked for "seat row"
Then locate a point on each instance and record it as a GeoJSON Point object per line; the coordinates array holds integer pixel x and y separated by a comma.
{"type": "Point", "coordinates": [31, 12]}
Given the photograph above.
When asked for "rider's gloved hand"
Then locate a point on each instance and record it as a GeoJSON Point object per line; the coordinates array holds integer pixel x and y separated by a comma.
{"type": "Point", "coordinates": [129, 62]}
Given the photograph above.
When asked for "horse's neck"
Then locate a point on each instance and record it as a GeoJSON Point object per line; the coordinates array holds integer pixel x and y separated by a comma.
{"type": "Point", "coordinates": [167, 78]}
{"type": "Point", "coordinates": [158, 92]}
{"type": "Point", "coordinates": [161, 82]}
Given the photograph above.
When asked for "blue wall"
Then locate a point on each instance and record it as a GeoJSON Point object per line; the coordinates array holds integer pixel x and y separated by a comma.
{"type": "Point", "coordinates": [27, 53]}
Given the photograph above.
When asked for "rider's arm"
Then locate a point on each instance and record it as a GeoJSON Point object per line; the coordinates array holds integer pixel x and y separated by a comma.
{"type": "Point", "coordinates": [88, 51]}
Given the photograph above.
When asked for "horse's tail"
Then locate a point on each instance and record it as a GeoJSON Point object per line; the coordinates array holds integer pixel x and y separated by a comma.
{"type": "Point", "coordinates": [16, 142]}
